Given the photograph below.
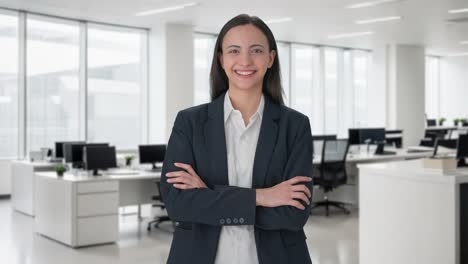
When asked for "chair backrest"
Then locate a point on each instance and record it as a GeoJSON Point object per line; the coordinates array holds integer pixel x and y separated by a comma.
{"type": "Point", "coordinates": [318, 142]}
{"type": "Point", "coordinates": [333, 166]}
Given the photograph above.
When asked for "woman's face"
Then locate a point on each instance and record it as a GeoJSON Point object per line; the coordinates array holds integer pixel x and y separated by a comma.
{"type": "Point", "coordinates": [246, 57]}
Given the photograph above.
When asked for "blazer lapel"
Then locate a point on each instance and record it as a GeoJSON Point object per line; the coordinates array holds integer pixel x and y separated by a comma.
{"type": "Point", "coordinates": [266, 142]}
{"type": "Point", "coordinates": [215, 141]}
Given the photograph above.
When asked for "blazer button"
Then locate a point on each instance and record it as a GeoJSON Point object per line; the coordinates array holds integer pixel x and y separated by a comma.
{"type": "Point", "coordinates": [221, 221]}
{"type": "Point", "coordinates": [241, 220]}
{"type": "Point", "coordinates": [228, 221]}
{"type": "Point", "coordinates": [235, 220]}
{"type": "Point", "coordinates": [177, 223]}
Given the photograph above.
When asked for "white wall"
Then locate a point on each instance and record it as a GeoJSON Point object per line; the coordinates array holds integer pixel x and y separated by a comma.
{"type": "Point", "coordinates": [406, 93]}
{"type": "Point", "coordinates": [453, 88]}
{"type": "Point", "coordinates": [5, 177]}
{"type": "Point", "coordinates": [377, 87]}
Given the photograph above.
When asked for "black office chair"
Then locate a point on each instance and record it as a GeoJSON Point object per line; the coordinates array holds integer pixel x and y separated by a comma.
{"type": "Point", "coordinates": [332, 172]}
{"type": "Point", "coordinates": [159, 203]}
{"type": "Point", "coordinates": [430, 137]}
{"type": "Point", "coordinates": [318, 140]}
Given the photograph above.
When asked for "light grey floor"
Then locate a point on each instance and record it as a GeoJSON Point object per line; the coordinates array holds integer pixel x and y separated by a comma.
{"type": "Point", "coordinates": [331, 240]}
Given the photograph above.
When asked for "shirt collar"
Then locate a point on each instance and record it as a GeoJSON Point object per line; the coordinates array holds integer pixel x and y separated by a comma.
{"type": "Point", "coordinates": [228, 108]}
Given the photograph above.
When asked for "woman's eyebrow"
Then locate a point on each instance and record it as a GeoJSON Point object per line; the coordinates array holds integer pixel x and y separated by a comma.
{"type": "Point", "coordinates": [233, 46]}
{"type": "Point", "coordinates": [256, 45]}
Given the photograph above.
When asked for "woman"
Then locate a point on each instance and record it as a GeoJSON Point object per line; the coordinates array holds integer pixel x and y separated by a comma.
{"type": "Point", "coordinates": [237, 172]}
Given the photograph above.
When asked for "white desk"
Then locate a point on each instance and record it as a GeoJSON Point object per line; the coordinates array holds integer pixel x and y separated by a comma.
{"type": "Point", "coordinates": [22, 173]}
{"type": "Point", "coordinates": [83, 210]}
{"type": "Point", "coordinates": [409, 214]}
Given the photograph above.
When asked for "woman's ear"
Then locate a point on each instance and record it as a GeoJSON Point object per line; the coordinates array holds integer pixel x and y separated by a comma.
{"type": "Point", "coordinates": [272, 58]}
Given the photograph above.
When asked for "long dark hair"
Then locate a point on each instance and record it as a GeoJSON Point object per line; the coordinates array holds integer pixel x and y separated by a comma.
{"type": "Point", "coordinates": [271, 81]}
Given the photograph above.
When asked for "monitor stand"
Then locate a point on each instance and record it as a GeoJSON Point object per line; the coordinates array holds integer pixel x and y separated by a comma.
{"type": "Point", "coordinates": [462, 163]}
{"type": "Point", "coordinates": [96, 173]}
{"type": "Point", "coordinates": [155, 167]}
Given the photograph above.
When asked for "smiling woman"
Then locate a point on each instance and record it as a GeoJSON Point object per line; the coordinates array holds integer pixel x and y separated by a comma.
{"type": "Point", "coordinates": [237, 171]}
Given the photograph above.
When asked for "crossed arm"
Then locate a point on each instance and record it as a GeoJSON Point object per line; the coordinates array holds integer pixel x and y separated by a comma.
{"type": "Point", "coordinates": [282, 206]}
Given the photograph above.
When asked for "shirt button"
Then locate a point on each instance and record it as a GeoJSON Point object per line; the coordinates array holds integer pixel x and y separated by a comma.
{"type": "Point", "coordinates": [221, 221]}
{"type": "Point", "coordinates": [241, 220]}
{"type": "Point", "coordinates": [228, 221]}
{"type": "Point", "coordinates": [235, 220]}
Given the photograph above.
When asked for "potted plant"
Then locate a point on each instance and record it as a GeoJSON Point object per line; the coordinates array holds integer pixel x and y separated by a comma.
{"type": "Point", "coordinates": [128, 159]}
{"type": "Point", "coordinates": [456, 121]}
{"type": "Point", "coordinates": [60, 169]}
{"type": "Point", "coordinates": [441, 121]}
{"type": "Point", "coordinates": [464, 121]}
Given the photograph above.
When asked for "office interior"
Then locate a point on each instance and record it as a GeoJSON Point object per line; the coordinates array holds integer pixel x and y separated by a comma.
{"type": "Point", "coordinates": [95, 86]}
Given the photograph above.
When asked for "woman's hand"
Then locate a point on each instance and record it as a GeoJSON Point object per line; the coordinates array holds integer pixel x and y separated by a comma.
{"type": "Point", "coordinates": [285, 193]}
{"type": "Point", "coordinates": [185, 179]}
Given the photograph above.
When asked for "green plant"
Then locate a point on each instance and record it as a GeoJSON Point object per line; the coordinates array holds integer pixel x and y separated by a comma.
{"type": "Point", "coordinates": [463, 120]}
{"type": "Point", "coordinates": [60, 169]}
{"type": "Point", "coordinates": [442, 119]}
{"type": "Point", "coordinates": [128, 159]}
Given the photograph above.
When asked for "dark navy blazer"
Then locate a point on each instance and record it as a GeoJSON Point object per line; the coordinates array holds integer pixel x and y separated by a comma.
{"type": "Point", "coordinates": [284, 150]}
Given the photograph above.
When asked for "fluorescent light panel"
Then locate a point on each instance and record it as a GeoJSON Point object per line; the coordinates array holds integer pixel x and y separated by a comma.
{"type": "Point", "coordinates": [349, 35]}
{"type": "Point", "coordinates": [165, 9]}
{"type": "Point", "coordinates": [456, 11]}
{"type": "Point", "coordinates": [372, 3]}
{"type": "Point", "coordinates": [376, 20]}
{"type": "Point", "coordinates": [278, 20]}
{"type": "Point", "coordinates": [458, 54]}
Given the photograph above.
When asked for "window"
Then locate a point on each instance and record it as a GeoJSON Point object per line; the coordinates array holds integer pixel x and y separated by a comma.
{"type": "Point", "coordinates": [116, 86]}
{"type": "Point", "coordinates": [52, 81]}
{"type": "Point", "coordinates": [8, 85]}
{"type": "Point", "coordinates": [203, 52]}
{"type": "Point", "coordinates": [284, 59]}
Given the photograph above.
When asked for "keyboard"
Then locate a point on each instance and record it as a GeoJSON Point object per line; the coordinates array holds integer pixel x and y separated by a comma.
{"type": "Point", "coordinates": [386, 153]}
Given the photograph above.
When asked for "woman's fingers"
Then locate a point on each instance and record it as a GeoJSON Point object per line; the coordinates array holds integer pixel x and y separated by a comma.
{"type": "Point", "coordinates": [301, 196]}
{"type": "Point", "coordinates": [183, 186]}
{"type": "Point", "coordinates": [186, 167]}
{"type": "Point", "coordinates": [302, 188]}
{"type": "Point", "coordinates": [296, 204]}
{"type": "Point", "coordinates": [299, 179]}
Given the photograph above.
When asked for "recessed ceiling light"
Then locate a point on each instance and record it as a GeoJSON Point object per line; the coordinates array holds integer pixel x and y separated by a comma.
{"type": "Point", "coordinates": [372, 3]}
{"type": "Point", "coordinates": [458, 54]}
{"type": "Point", "coordinates": [349, 35]}
{"type": "Point", "coordinates": [456, 11]}
{"type": "Point", "coordinates": [278, 20]}
{"type": "Point", "coordinates": [464, 42]}
{"type": "Point", "coordinates": [376, 20]}
{"type": "Point", "coordinates": [165, 9]}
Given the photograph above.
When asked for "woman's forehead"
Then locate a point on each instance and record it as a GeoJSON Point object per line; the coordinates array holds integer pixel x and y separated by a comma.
{"type": "Point", "coordinates": [245, 35]}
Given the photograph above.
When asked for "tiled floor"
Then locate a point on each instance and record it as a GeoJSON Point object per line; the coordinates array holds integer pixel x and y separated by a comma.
{"type": "Point", "coordinates": [331, 240]}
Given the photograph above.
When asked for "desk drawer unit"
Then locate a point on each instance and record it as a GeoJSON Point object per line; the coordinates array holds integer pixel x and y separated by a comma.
{"type": "Point", "coordinates": [97, 230]}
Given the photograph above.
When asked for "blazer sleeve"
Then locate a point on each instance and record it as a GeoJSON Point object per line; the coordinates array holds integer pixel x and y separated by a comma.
{"type": "Point", "coordinates": [299, 163]}
{"type": "Point", "coordinates": [204, 205]}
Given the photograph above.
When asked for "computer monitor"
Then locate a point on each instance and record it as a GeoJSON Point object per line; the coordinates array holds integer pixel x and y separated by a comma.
{"type": "Point", "coordinates": [462, 150]}
{"type": "Point", "coordinates": [446, 143]}
{"type": "Point", "coordinates": [73, 152]}
{"type": "Point", "coordinates": [59, 153]}
{"type": "Point", "coordinates": [372, 135]}
{"type": "Point", "coordinates": [354, 136]}
{"type": "Point", "coordinates": [431, 122]}
{"type": "Point", "coordinates": [99, 158]}
{"type": "Point", "coordinates": [152, 154]}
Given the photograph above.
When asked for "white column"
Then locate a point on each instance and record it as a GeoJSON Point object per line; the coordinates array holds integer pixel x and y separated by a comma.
{"type": "Point", "coordinates": [170, 77]}
{"type": "Point", "coordinates": [405, 91]}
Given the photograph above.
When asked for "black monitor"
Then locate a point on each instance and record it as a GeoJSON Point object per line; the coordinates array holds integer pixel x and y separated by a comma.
{"type": "Point", "coordinates": [431, 122]}
{"type": "Point", "coordinates": [152, 154]}
{"type": "Point", "coordinates": [59, 150]}
{"type": "Point", "coordinates": [372, 135]}
{"type": "Point", "coordinates": [447, 143]}
{"type": "Point", "coordinates": [354, 136]}
{"type": "Point", "coordinates": [99, 158]}
{"type": "Point", "coordinates": [73, 152]}
{"type": "Point", "coordinates": [462, 150]}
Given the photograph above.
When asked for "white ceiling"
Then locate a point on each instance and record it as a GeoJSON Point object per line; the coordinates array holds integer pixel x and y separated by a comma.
{"type": "Point", "coordinates": [424, 21]}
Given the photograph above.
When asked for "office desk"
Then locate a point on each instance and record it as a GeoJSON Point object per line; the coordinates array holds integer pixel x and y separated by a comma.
{"type": "Point", "coordinates": [23, 181]}
{"type": "Point", "coordinates": [83, 210]}
{"type": "Point", "coordinates": [409, 214]}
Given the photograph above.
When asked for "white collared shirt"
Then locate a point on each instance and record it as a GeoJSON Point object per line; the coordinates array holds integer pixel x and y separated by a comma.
{"type": "Point", "coordinates": [237, 243]}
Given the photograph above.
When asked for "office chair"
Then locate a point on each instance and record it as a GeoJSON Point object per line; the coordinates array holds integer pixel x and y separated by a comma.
{"type": "Point", "coordinates": [332, 172]}
{"type": "Point", "coordinates": [430, 137]}
{"type": "Point", "coordinates": [318, 142]}
{"type": "Point", "coordinates": [158, 219]}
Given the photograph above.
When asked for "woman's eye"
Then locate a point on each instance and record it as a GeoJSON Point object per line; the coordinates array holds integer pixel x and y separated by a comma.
{"type": "Point", "coordinates": [233, 51]}
{"type": "Point", "coordinates": [257, 51]}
